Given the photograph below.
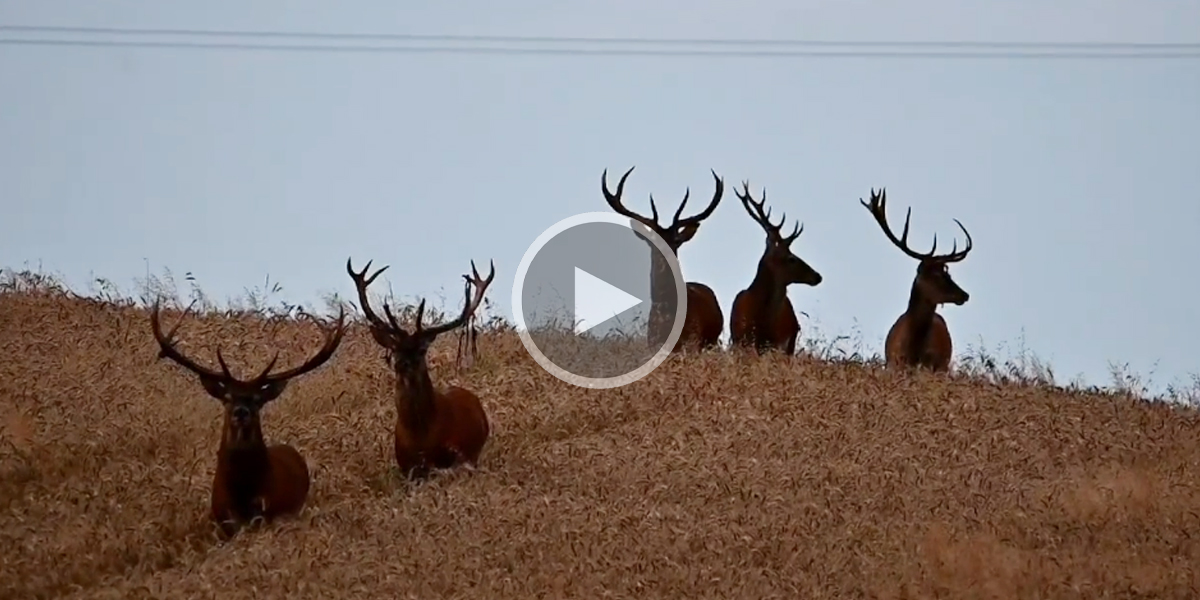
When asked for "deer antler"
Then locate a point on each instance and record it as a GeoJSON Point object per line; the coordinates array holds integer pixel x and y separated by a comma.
{"type": "Point", "coordinates": [167, 349]}
{"type": "Point", "coordinates": [614, 201]}
{"type": "Point", "coordinates": [480, 284]}
{"type": "Point", "coordinates": [469, 335]}
{"type": "Point", "coordinates": [360, 283]}
{"type": "Point", "coordinates": [756, 211]}
{"type": "Point", "coordinates": [472, 303]}
{"type": "Point", "coordinates": [392, 327]}
{"type": "Point", "coordinates": [332, 340]}
{"type": "Point", "coordinates": [878, 209]}
{"type": "Point", "coordinates": [166, 344]}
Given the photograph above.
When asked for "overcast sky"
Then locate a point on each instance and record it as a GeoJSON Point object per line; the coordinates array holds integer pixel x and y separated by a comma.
{"type": "Point", "coordinates": [1076, 178]}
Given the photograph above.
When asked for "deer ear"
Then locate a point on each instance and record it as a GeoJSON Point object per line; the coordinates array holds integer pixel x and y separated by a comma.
{"type": "Point", "coordinates": [215, 388]}
{"type": "Point", "coordinates": [687, 231]}
{"type": "Point", "coordinates": [270, 391]}
{"type": "Point", "coordinates": [640, 229]}
{"type": "Point", "coordinates": [382, 338]}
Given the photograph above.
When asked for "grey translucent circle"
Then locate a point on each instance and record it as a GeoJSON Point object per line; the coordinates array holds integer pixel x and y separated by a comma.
{"type": "Point", "coordinates": [659, 244]}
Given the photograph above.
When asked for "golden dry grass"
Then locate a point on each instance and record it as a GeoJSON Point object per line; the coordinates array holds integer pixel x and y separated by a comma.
{"type": "Point", "coordinates": [716, 476]}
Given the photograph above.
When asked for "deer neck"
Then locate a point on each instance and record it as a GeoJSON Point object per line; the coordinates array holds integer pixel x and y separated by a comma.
{"type": "Point", "coordinates": [921, 310]}
{"type": "Point", "coordinates": [244, 466]}
{"type": "Point", "coordinates": [767, 292]}
{"type": "Point", "coordinates": [415, 399]}
{"type": "Point", "coordinates": [662, 294]}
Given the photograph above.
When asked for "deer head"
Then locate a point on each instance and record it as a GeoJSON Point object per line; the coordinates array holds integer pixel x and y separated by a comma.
{"type": "Point", "coordinates": [408, 349]}
{"type": "Point", "coordinates": [681, 229]}
{"type": "Point", "coordinates": [933, 281]}
{"type": "Point", "coordinates": [777, 257]}
{"type": "Point", "coordinates": [243, 398]}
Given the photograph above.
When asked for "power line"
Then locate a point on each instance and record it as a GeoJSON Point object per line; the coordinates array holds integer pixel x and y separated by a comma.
{"type": "Point", "coordinates": [486, 45]}
{"type": "Point", "coordinates": [410, 37]}
{"type": "Point", "coordinates": [486, 50]}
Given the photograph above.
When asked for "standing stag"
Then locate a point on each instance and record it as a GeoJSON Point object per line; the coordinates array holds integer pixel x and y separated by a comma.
{"type": "Point", "coordinates": [919, 338]}
{"type": "Point", "coordinates": [434, 428]}
{"type": "Point", "coordinates": [704, 320]}
{"type": "Point", "coordinates": [762, 315]}
{"type": "Point", "coordinates": [252, 478]}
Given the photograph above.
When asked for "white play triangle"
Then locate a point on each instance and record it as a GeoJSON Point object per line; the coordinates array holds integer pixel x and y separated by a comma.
{"type": "Point", "coordinates": [597, 301]}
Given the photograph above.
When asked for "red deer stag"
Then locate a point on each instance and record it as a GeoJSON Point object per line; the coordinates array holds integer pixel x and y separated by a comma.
{"type": "Point", "coordinates": [434, 428]}
{"type": "Point", "coordinates": [252, 478]}
{"type": "Point", "coordinates": [704, 321]}
{"type": "Point", "coordinates": [762, 315]}
{"type": "Point", "coordinates": [919, 337]}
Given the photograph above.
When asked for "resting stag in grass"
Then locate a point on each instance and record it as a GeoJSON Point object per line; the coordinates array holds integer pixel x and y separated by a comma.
{"type": "Point", "coordinates": [919, 337]}
{"type": "Point", "coordinates": [435, 429]}
{"type": "Point", "coordinates": [252, 478]}
{"type": "Point", "coordinates": [762, 315]}
{"type": "Point", "coordinates": [703, 322]}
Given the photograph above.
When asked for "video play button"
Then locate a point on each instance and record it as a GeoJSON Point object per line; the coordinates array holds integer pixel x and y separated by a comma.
{"type": "Point", "coordinates": [583, 300]}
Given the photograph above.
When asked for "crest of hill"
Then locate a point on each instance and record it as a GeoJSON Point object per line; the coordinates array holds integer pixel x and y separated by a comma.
{"type": "Point", "coordinates": [717, 475]}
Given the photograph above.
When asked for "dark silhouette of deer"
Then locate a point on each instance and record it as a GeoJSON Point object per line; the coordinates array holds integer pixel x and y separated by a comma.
{"type": "Point", "coordinates": [435, 429]}
{"type": "Point", "coordinates": [252, 479]}
{"type": "Point", "coordinates": [919, 337]}
{"type": "Point", "coordinates": [762, 315]}
{"type": "Point", "coordinates": [704, 320]}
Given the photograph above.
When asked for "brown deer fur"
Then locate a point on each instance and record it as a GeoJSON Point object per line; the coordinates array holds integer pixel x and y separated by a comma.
{"type": "Point", "coordinates": [252, 479]}
{"type": "Point", "coordinates": [435, 429]}
{"type": "Point", "coordinates": [703, 321]}
{"type": "Point", "coordinates": [762, 316]}
{"type": "Point", "coordinates": [919, 337]}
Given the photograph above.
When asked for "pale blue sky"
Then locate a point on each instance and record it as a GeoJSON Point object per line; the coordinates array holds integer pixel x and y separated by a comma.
{"type": "Point", "coordinates": [1076, 178]}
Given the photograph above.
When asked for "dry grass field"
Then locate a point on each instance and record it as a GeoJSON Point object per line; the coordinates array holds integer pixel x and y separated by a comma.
{"type": "Point", "coordinates": [717, 476]}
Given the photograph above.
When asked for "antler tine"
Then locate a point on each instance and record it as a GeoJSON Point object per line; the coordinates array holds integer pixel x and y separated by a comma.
{"type": "Point", "coordinates": [956, 254]}
{"type": "Point", "coordinates": [167, 348]}
{"type": "Point", "coordinates": [224, 367]}
{"type": "Point", "coordinates": [614, 200]}
{"type": "Point", "coordinates": [718, 193]}
{"type": "Point", "coordinates": [878, 208]}
{"type": "Point", "coordinates": [437, 330]}
{"type": "Point", "coordinates": [262, 375]}
{"type": "Point", "coordinates": [333, 339]}
{"type": "Point", "coordinates": [653, 220]}
{"type": "Point", "coordinates": [467, 336]}
{"type": "Point", "coordinates": [687, 193]}
{"type": "Point", "coordinates": [171, 334]}
{"type": "Point", "coordinates": [396, 328]}
{"type": "Point", "coordinates": [478, 281]}
{"type": "Point", "coordinates": [796, 231]}
{"type": "Point", "coordinates": [360, 283]}
{"type": "Point", "coordinates": [481, 285]}
{"type": "Point", "coordinates": [471, 303]}
{"type": "Point", "coordinates": [759, 212]}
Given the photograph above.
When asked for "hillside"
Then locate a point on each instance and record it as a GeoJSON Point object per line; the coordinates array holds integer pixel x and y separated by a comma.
{"type": "Point", "coordinates": [716, 476]}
